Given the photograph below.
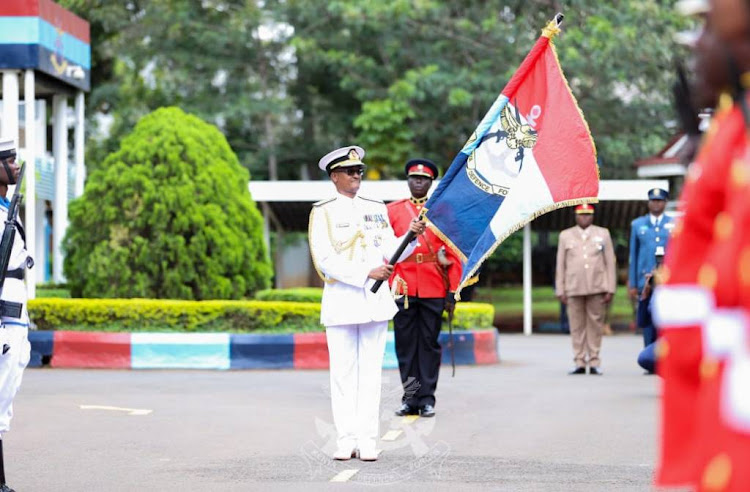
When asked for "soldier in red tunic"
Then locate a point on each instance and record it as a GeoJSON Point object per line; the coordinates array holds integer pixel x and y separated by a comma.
{"type": "Point", "coordinates": [703, 307]}
{"type": "Point", "coordinates": [428, 280]}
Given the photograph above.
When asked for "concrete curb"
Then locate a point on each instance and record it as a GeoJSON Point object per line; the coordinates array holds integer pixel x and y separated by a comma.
{"type": "Point", "coordinates": [77, 349]}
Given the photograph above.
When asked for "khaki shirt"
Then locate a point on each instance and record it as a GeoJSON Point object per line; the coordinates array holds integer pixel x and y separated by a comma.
{"type": "Point", "coordinates": [585, 262]}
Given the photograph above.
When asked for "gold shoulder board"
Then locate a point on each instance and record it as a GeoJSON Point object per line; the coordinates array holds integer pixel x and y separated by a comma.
{"type": "Point", "coordinates": [323, 202]}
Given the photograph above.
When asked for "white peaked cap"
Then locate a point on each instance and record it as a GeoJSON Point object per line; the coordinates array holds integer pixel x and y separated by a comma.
{"type": "Point", "coordinates": [345, 156]}
{"type": "Point", "coordinates": [7, 144]}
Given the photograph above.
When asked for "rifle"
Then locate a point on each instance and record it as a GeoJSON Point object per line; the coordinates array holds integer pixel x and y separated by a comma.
{"type": "Point", "coordinates": [9, 235]}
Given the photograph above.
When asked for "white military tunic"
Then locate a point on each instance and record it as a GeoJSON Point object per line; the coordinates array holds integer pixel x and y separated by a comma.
{"type": "Point", "coordinates": [14, 331]}
{"type": "Point", "coordinates": [348, 238]}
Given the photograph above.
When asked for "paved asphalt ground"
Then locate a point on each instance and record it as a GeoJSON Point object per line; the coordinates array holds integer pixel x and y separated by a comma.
{"type": "Point", "coordinates": [521, 425]}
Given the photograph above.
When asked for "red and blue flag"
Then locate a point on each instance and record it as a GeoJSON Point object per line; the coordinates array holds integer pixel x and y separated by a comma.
{"type": "Point", "coordinates": [532, 153]}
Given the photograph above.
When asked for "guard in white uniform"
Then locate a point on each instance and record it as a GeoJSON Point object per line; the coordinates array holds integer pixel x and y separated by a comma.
{"type": "Point", "coordinates": [14, 339]}
{"type": "Point", "coordinates": [351, 242]}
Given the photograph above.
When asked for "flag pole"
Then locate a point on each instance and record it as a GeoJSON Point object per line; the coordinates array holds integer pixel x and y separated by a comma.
{"type": "Point", "coordinates": [407, 239]}
{"type": "Point", "coordinates": [527, 279]}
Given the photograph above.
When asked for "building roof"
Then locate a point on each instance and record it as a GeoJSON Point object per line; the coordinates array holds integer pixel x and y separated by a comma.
{"type": "Point", "coordinates": [42, 35]}
{"type": "Point", "coordinates": [289, 202]}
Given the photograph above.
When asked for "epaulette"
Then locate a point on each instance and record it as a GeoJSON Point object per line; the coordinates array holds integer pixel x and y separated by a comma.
{"type": "Point", "coordinates": [370, 199]}
{"type": "Point", "coordinates": [323, 202]}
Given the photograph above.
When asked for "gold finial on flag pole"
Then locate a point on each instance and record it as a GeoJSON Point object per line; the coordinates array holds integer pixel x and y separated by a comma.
{"type": "Point", "coordinates": [553, 28]}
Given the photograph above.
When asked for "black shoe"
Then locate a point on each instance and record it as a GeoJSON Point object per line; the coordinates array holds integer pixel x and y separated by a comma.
{"type": "Point", "coordinates": [595, 371]}
{"type": "Point", "coordinates": [4, 488]}
{"type": "Point", "coordinates": [578, 370]}
{"type": "Point", "coordinates": [427, 411]}
{"type": "Point", "coordinates": [403, 411]}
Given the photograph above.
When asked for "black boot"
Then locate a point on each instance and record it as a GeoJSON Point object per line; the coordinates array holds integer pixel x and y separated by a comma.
{"type": "Point", "coordinates": [3, 486]}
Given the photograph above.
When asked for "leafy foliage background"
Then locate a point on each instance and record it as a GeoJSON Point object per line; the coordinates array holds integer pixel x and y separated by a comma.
{"type": "Point", "coordinates": [286, 81]}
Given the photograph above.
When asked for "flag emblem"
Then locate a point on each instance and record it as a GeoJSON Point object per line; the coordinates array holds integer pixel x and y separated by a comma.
{"type": "Point", "coordinates": [498, 159]}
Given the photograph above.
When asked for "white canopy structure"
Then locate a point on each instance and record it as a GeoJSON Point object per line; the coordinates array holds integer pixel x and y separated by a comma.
{"type": "Point", "coordinates": [286, 206]}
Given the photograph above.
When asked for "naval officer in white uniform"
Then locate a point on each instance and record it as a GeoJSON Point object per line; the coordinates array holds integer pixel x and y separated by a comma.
{"type": "Point", "coordinates": [351, 241]}
{"type": "Point", "coordinates": [14, 318]}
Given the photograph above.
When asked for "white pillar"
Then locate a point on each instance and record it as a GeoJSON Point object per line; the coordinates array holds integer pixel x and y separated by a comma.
{"type": "Point", "coordinates": [41, 129]}
{"type": "Point", "coordinates": [527, 279]}
{"type": "Point", "coordinates": [29, 99]}
{"type": "Point", "coordinates": [60, 208]}
{"type": "Point", "coordinates": [266, 227]}
{"type": "Point", "coordinates": [79, 155]}
{"type": "Point", "coordinates": [10, 105]}
{"type": "Point", "coordinates": [41, 253]}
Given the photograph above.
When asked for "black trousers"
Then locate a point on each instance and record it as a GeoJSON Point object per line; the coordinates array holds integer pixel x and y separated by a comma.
{"type": "Point", "coordinates": [417, 348]}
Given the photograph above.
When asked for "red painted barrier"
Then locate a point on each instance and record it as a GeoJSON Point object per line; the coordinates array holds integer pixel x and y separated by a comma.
{"type": "Point", "coordinates": [310, 351]}
{"type": "Point", "coordinates": [91, 350]}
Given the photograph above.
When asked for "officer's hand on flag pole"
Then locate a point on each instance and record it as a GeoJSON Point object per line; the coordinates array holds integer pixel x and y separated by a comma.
{"type": "Point", "coordinates": [417, 226]}
{"type": "Point", "coordinates": [383, 272]}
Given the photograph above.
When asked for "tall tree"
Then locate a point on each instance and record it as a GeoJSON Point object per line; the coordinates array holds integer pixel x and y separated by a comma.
{"type": "Point", "coordinates": [224, 60]}
{"type": "Point", "coordinates": [287, 80]}
{"type": "Point", "coordinates": [414, 77]}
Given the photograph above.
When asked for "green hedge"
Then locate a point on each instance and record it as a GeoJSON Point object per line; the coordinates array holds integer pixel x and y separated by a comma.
{"type": "Point", "coordinates": [299, 294]}
{"type": "Point", "coordinates": [121, 315]}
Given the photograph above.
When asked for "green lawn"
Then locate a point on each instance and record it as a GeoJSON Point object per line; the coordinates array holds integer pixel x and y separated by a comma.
{"type": "Point", "coordinates": [508, 302]}
{"type": "Point", "coordinates": [46, 292]}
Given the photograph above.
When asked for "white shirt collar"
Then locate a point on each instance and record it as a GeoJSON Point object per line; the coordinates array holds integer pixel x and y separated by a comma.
{"type": "Point", "coordinates": [345, 199]}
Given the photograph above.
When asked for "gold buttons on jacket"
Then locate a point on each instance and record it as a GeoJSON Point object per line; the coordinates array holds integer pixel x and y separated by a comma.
{"type": "Point", "coordinates": [662, 349]}
{"type": "Point", "coordinates": [744, 267]}
{"type": "Point", "coordinates": [717, 473]}
{"type": "Point", "coordinates": [739, 174]}
{"type": "Point", "coordinates": [709, 368]}
{"type": "Point", "coordinates": [723, 226]}
{"type": "Point", "coordinates": [707, 277]}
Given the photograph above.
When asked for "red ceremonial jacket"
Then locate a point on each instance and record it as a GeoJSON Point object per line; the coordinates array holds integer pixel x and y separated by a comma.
{"type": "Point", "coordinates": [421, 270]}
{"type": "Point", "coordinates": [702, 314]}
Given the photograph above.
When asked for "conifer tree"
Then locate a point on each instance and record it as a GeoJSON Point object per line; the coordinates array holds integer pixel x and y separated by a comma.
{"type": "Point", "coordinates": [168, 215]}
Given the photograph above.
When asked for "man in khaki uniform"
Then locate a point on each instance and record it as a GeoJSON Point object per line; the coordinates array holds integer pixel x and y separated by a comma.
{"type": "Point", "coordinates": [585, 282]}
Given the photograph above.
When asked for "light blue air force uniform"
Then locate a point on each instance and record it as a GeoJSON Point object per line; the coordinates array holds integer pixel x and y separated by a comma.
{"type": "Point", "coordinates": [644, 238]}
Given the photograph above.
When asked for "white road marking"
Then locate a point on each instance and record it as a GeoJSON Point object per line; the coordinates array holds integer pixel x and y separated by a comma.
{"type": "Point", "coordinates": [409, 419]}
{"type": "Point", "coordinates": [345, 475]}
{"type": "Point", "coordinates": [391, 435]}
{"type": "Point", "coordinates": [130, 411]}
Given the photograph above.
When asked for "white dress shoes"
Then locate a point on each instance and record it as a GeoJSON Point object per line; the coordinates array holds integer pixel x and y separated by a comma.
{"type": "Point", "coordinates": [368, 453]}
{"type": "Point", "coordinates": [344, 453]}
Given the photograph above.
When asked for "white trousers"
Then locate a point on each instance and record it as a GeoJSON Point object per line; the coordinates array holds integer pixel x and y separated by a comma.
{"type": "Point", "coordinates": [12, 363]}
{"type": "Point", "coordinates": [356, 360]}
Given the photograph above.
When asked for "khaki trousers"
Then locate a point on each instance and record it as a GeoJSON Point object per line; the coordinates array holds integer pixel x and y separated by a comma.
{"type": "Point", "coordinates": [586, 316]}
